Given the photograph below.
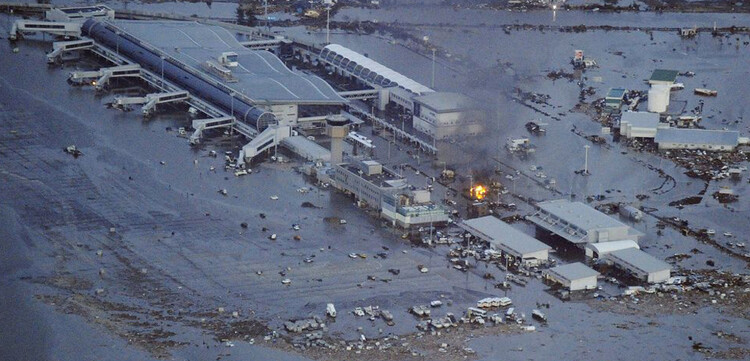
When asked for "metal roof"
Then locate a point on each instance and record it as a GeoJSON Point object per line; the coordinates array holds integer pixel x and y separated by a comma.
{"type": "Point", "coordinates": [664, 75]}
{"type": "Point", "coordinates": [641, 261]}
{"type": "Point", "coordinates": [443, 102]}
{"type": "Point", "coordinates": [640, 119]}
{"type": "Point", "coordinates": [603, 248]}
{"type": "Point", "coordinates": [364, 67]}
{"type": "Point", "coordinates": [573, 271]}
{"type": "Point", "coordinates": [698, 136]}
{"type": "Point", "coordinates": [580, 215]}
{"type": "Point", "coordinates": [307, 148]}
{"type": "Point", "coordinates": [260, 75]}
{"type": "Point", "coordinates": [618, 93]}
{"type": "Point", "coordinates": [499, 233]}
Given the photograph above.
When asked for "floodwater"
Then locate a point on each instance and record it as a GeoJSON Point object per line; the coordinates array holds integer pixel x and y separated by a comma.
{"type": "Point", "coordinates": [171, 220]}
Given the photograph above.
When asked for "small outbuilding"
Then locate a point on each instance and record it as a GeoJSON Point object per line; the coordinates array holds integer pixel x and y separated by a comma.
{"type": "Point", "coordinates": [615, 98]}
{"type": "Point", "coordinates": [574, 276]}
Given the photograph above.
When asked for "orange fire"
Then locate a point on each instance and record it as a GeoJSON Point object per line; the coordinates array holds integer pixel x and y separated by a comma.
{"type": "Point", "coordinates": [479, 192]}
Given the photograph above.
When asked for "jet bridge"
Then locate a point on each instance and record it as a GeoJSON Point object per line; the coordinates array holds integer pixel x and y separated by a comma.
{"type": "Point", "coordinates": [60, 47]}
{"type": "Point", "coordinates": [212, 123]}
{"type": "Point", "coordinates": [35, 26]}
{"type": "Point", "coordinates": [270, 137]}
{"type": "Point", "coordinates": [149, 101]}
{"type": "Point", "coordinates": [100, 78]}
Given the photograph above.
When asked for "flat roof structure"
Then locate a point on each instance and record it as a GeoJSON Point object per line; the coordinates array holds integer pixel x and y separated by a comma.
{"type": "Point", "coordinates": [640, 124]}
{"type": "Point", "coordinates": [663, 76]}
{"type": "Point", "coordinates": [598, 250]}
{"type": "Point", "coordinates": [80, 13]}
{"type": "Point", "coordinates": [616, 93]}
{"type": "Point", "coordinates": [579, 223]}
{"type": "Point", "coordinates": [574, 276]}
{"type": "Point", "coordinates": [641, 264]}
{"type": "Point", "coordinates": [259, 75]}
{"type": "Point", "coordinates": [443, 102]}
{"type": "Point", "coordinates": [366, 68]}
{"type": "Point", "coordinates": [307, 148]}
{"type": "Point", "coordinates": [504, 237]}
{"type": "Point", "coordinates": [641, 119]}
{"type": "Point", "coordinates": [672, 138]}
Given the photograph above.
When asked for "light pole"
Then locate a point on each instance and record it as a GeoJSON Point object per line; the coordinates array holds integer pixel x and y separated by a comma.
{"type": "Point", "coordinates": [432, 84]}
{"type": "Point", "coordinates": [328, 25]}
{"type": "Point", "coordinates": [586, 161]}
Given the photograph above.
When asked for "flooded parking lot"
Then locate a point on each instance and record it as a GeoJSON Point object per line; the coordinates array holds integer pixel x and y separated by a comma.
{"type": "Point", "coordinates": [133, 245]}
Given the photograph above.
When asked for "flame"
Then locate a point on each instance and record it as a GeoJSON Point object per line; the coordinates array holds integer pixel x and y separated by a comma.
{"type": "Point", "coordinates": [478, 192]}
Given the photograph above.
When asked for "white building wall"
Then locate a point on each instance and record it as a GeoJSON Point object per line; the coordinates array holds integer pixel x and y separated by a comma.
{"type": "Point", "coordinates": [702, 146]}
{"type": "Point", "coordinates": [658, 277]}
{"type": "Point", "coordinates": [587, 283]}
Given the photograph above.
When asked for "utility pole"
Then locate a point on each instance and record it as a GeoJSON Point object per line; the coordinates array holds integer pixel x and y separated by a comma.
{"type": "Point", "coordinates": [586, 161]}
{"type": "Point", "coordinates": [432, 83]}
{"type": "Point", "coordinates": [328, 24]}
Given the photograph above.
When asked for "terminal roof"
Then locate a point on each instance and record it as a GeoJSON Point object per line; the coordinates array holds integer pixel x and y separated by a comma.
{"type": "Point", "coordinates": [261, 76]}
{"type": "Point", "coordinates": [369, 66]}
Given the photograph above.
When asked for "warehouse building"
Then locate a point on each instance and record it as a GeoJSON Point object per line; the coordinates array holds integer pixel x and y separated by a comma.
{"type": "Point", "coordinates": [574, 276]}
{"type": "Point", "coordinates": [711, 140]}
{"type": "Point", "coordinates": [443, 115]}
{"type": "Point", "coordinates": [640, 125]}
{"type": "Point", "coordinates": [579, 223]}
{"type": "Point", "coordinates": [511, 242]}
{"type": "Point", "coordinates": [599, 250]}
{"type": "Point", "coordinates": [640, 264]}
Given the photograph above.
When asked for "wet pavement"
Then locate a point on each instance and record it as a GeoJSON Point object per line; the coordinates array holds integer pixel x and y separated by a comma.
{"type": "Point", "coordinates": [170, 220]}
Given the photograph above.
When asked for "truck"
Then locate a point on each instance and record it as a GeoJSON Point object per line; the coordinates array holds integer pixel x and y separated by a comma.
{"type": "Point", "coordinates": [331, 310]}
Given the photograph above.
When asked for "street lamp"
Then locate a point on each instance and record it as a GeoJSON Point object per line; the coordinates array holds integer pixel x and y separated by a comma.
{"type": "Point", "coordinates": [432, 84]}
{"type": "Point", "coordinates": [586, 161]}
{"type": "Point", "coordinates": [328, 25]}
